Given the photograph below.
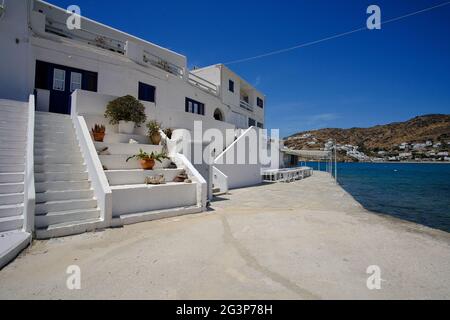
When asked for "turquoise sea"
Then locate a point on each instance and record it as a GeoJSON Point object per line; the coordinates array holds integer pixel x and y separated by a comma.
{"type": "Point", "coordinates": [415, 192]}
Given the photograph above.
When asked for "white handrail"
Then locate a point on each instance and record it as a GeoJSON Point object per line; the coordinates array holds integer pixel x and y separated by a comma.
{"type": "Point", "coordinates": [220, 180]}
{"type": "Point", "coordinates": [29, 188]}
{"type": "Point", "coordinates": [97, 175]}
{"type": "Point", "coordinates": [202, 191]}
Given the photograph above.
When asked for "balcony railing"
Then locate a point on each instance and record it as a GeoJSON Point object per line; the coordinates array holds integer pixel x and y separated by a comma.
{"type": "Point", "coordinates": [83, 35]}
{"type": "Point", "coordinates": [110, 44]}
{"type": "Point", "coordinates": [203, 84]}
{"type": "Point", "coordinates": [246, 105]}
{"type": "Point", "coordinates": [158, 62]}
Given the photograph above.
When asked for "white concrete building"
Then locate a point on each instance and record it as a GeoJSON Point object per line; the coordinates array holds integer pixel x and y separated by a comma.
{"type": "Point", "coordinates": [55, 83]}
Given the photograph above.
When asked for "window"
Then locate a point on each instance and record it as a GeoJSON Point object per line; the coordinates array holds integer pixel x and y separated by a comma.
{"type": "Point", "coordinates": [251, 122]}
{"type": "Point", "coordinates": [59, 80]}
{"type": "Point", "coordinates": [196, 107]}
{"type": "Point", "coordinates": [260, 102]}
{"type": "Point", "coordinates": [146, 92]}
{"type": "Point", "coordinates": [260, 125]}
{"type": "Point", "coordinates": [231, 85]}
{"type": "Point", "coordinates": [75, 81]}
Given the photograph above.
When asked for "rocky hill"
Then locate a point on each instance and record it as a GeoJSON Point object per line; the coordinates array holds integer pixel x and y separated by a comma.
{"type": "Point", "coordinates": [423, 137]}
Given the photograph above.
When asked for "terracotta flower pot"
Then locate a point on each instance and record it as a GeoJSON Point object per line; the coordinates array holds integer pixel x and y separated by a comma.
{"type": "Point", "coordinates": [99, 136]}
{"type": "Point", "coordinates": [147, 164]}
{"type": "Point", "coordinates": [155, 138]}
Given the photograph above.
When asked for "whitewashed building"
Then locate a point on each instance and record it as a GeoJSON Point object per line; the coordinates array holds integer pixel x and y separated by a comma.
{"type": "Point", "coordinates": [55, 83]}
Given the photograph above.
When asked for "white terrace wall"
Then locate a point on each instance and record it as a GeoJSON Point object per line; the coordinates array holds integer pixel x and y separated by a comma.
{"type": "Point", "coordinates": [245, 173]}
{"type": "Point", "coordinates": [93, 105]}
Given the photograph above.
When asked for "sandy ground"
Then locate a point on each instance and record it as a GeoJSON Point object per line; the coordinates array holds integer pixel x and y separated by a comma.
{"type": "Point", "coordinates": [306, 240]}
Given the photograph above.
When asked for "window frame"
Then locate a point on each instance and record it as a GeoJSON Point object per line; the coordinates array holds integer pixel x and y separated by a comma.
{"type": "Point", "coordinates": [194, 106]}
{"type": "Point", "coordinates": [260, 102]}
{"type": "Point", "coordinates": [56, 80]}
{"type": "Point", "coordinates": [231, 85]}
{"type": "Point", "coordinates": [72, 82]}
{"type": "Point", "coordinates": [142, 96]}
{"type": "Point", "coordinates": [251, 120]}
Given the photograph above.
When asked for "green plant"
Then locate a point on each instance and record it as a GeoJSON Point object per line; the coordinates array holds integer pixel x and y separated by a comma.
{"type": "Point", "coordinates": [153, 127]}
{"type": "Point", "coordinates": [125, 108]}
{"type": "Point", "coordinates": [142, 155]}
{"type": "Point", "coordinates": [98, 129]}
{"type": "Point", "coordinates": [168, 132]}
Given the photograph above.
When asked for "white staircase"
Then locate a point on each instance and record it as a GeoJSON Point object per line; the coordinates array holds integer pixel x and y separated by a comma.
{"type": "Point", "coordinates": [133, 200]}
{"type": "Point", "coordinates": [65, 202]}
{"type": "Point", "coordinates": [13, 142]}
{"type": "Point", "coordinates": [13, 133]}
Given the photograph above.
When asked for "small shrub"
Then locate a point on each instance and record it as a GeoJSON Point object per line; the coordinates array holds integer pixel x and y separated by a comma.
{"type": "Point", "coordinates": [125, 108]}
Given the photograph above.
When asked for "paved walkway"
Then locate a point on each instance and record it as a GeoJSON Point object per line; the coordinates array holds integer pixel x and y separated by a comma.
{"type": "Point", "coordinates": [306, 240]}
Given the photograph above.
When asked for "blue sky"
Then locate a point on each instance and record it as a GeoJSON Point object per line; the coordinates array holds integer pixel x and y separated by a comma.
{"type": "Point", "coordinates": [360, 80]}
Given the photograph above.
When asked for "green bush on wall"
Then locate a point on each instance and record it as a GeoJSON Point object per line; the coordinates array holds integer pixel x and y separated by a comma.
{"type": "Point", "coordinates": [126, 108]}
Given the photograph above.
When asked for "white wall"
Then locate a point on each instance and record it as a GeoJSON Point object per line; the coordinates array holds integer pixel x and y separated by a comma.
{"type": "Point", "coordinates": [15, 59]}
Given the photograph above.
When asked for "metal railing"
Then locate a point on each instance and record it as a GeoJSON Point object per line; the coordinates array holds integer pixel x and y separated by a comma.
{"type": "Point", "coordinates": [83, 35]}
{"type": "Point", "coordinates": [203, 84]}
{"type": "Point", "coordinates": [158, 62]}
{"type": "Point", "coordinates": [246, 105]}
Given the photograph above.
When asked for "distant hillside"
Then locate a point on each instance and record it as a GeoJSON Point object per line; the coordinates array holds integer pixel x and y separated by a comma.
{"type": "Point", "coordinates": [433, 128]}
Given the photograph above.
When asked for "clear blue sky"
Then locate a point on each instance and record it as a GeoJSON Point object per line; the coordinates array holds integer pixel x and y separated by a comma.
{"type": "Point", "coordinates": [363, 79]}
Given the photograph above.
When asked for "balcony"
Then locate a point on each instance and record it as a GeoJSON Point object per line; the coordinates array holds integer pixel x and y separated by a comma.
{"type": "Point", "coordinates": [203, 84]}
{"type": "Point", "coordinates": [246, 105]}
{"type": "Point", "coordinates": [162, 64]}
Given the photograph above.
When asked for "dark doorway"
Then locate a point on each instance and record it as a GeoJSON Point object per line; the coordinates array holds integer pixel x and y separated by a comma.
{"type": "Point", "coordinates": [218, 115]}
{"type": "Point", "coordinates": [61, 81]}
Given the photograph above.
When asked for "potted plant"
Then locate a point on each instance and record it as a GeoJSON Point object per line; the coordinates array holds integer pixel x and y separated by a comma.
{"type": "Point", "coordinates": [147, 160]}
{"type": "Point", "coordinates": [168, 132]}
{"type": "Point", "coordinates": [153, 132]}
{"type": "Point", "coordinates": [99, 132]}
{"type": "Point", "coordinates": [127, 112]}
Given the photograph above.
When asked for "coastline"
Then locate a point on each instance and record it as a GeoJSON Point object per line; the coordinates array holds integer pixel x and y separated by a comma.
{"type": "Point", "coordinates": [304, 240]}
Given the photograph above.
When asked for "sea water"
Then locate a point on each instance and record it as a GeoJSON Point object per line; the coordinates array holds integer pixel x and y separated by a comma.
{"type": "Point", "coordinates": [416, 192]}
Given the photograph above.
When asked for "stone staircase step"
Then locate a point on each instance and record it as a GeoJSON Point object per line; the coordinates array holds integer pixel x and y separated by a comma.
{"type": "Point", "coordinates": [12, 168]}
{"type": "Point", "coordinates": [69, 168]}
{"type": "Point", "coordinates": [143, 198]}
{"type": "Point", "coordinates": [65, 205]}
{"type": "Point", "coordinates": [5, 160]}
{"type": "Point", "coordinates": [11, 210]}
{"type": "Point", "coordinates": [11, 198]}
{"type": "Point", "coordinates": [133, 218]}
{"type": "Point", "coordinates": [58, 159]}
{"type": "Point", "coordinates": [63, 195]}
{"type": "Point", "coordinates": [68, 228]}
{"type": "Point", "coordinates": [126, 148]}
{"type": "Point", "coordinates": [61, 176]}
{"type": "Point", "coordinates": [70, 216]}
{"type": "Point", "coordinates": [11, 177]}
{"type": "Point", "coordinates": [62, 185]}
{"type": "Point", "coordinates": [12, 152]}
{"type": "Point", "coordinates": [137, 176]}
{"type": "Point", "coordinates": [11, 223]}
{"type": "Point", "coordinates": [16, 187]}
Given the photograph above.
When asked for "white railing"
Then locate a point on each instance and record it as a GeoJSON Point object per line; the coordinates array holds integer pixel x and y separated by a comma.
{"type": "Point", "coordinates": [202, 187]}
{"type": "Point", "coordinates": [246, 105]}
{"type": "Point", "coordinates": [220, 180]}
{"type": "Point", "coordinates": [160, 63]}
{"type": "Point", "coordinates": [29, 188]}
{"type": "Point", "coordinates": [99, 182]}
{"type": "Point", "coordinates": [83, 35]}
{"type": "Point", "coordinates": [203, 84]}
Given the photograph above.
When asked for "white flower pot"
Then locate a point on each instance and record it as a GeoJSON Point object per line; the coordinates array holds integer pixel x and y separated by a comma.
{"type": "Point", "coordinates": [126, 127]}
